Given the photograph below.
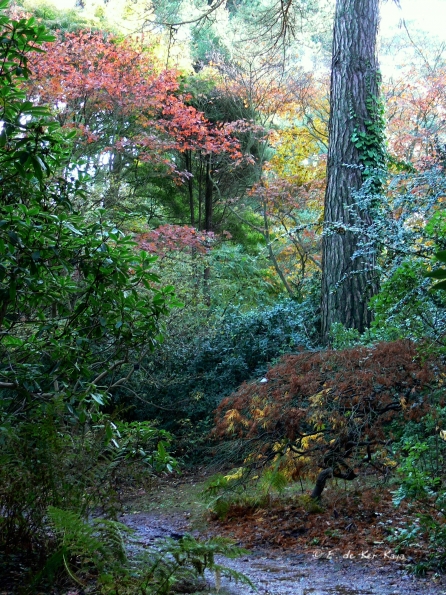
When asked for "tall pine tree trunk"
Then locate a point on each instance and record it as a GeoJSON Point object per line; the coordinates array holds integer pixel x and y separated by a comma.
{"type": "Point", "coordinates": [347, 284]}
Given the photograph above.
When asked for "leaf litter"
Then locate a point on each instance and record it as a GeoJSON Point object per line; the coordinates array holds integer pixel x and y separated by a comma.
{"type": "Point", "coordinates": [343, 549]}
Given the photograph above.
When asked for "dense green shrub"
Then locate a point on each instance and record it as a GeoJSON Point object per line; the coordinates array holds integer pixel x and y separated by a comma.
{"type": "Point", "coordinates": [421, 452]}
{"type": "Point", "coordinates": [204, 359]}
{"type": "Point", "coordinates": [405, 306]}
{"type": "Point", "coordinates": [79, 307]}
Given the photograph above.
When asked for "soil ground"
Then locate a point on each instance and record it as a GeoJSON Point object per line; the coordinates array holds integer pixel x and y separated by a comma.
{"type": "Point", "coordinates": [349, 562]}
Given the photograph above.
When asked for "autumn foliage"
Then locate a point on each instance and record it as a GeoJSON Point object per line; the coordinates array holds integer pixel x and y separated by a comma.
{"type": "Point", "coordinates": [328, 409]}
{"type": "Point", "coordinates": [355, 520]}
{"type": "Point", "coordinates": [115, 92]}
{"type": "Point", "coordinates": [415, 107]}
{"type": "Point", "coordinates": [177, 238]}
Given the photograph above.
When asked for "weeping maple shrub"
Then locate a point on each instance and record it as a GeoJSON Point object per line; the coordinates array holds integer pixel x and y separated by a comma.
{"type": "Point", "coordinates": [328, 413]}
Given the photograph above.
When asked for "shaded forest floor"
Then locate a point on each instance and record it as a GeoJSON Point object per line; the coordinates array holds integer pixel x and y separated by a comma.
{"type": "Point", "coordinates": [341, 548]}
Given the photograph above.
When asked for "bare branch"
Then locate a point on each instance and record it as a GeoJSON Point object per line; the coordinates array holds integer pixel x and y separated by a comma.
{"type": "Point", "coordinates": [202, 17]}
{"type": "Point", "coordinates": [112, 367]}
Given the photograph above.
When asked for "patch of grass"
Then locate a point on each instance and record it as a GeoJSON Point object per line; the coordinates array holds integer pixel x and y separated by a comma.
{"type": "Point", "coordinates": [179, 495]}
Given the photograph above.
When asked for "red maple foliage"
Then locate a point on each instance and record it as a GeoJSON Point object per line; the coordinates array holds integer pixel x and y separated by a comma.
{"type": "Point", "coordinates": [328, 410]}
{"type": "Point", "coordinates": [415, 113]}
{"type": "Point", "coordinates": [168, 238]}
{"type": "Point", "coordinates": [115, 93]}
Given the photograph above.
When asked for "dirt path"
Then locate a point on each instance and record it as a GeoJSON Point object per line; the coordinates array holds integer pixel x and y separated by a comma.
{"type": "Point", "coordinates": [291, 572]}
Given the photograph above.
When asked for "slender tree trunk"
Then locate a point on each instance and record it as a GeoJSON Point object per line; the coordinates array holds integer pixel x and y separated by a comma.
{"type": "Point", "coordinates": [207, 286]}
{"type": "Point", "coordinates": [208, 196]}
{"type": "Point", "coordinates": [200, 194]}
{"type": "Point", "coordinates": [348, 284]}
{"type": "Point", "coordinates": [208, 224]}
{"type": "Point", "coordinates": [271, 254]}
{"type": "Point", "coordinates": [190, 187]}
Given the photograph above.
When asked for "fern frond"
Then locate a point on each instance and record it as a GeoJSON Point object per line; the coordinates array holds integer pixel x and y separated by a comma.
{"type": "Point", "coordinates": [111, 534]}
{"type": "Point", "coordinates": [234, 574]}
{"type": "Point", "coordinates": [273, 480]}
{"type": "Point", "coordinates": [99, 543]}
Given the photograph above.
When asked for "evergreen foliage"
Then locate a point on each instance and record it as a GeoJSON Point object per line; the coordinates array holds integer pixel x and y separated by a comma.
{"type": "Point", "coordinates": [78, 309]}
{"type": "Point", "coordinates": [204, 359]}
{"type": "Point", "coordinates": [421, 478]}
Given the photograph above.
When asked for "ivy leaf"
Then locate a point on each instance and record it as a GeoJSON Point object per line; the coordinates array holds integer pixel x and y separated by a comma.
{"type": "Point", "coordinates": [441, 256]}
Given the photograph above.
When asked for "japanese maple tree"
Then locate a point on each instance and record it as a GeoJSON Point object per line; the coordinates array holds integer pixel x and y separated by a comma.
{"type": "Point", "coordinates": [327, 413]}
{"type": "Point", "coordinates": [124, 107]}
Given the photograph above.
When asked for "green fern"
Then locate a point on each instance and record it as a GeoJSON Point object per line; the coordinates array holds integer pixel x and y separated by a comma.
{"type": "Point", "coordinates": [187, 559]}
{"type": "Point", "coordinates": [223, 490]}
{"type": "Point", "coordinates": [272, 479]}
{"type": "Point", "coordinates": [98, 544]}
{"type": "Point", "coordinates": [220, 506]}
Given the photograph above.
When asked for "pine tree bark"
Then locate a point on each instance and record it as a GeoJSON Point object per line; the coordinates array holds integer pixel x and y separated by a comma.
{"type": "Point", "coordinates": [348, 284]}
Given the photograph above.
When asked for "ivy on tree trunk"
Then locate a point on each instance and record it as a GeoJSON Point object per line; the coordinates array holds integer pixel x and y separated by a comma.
{"type": "Point", "coordinates": [347, 282]}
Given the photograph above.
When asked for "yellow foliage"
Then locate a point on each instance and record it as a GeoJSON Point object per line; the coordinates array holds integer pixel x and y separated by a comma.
{"type": "Point", "coordinates": [318, 399]}
{"type": "Point", "coordinates": [293, 465]}
{"type": "Point", "coordinates": [238, 474]}
{"type": "Point", "coordinates": [232, 415]}
{"type": "Point", "coordinates": [309, 441]}
{"type": "Point", "coordinates": [296, 155]}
